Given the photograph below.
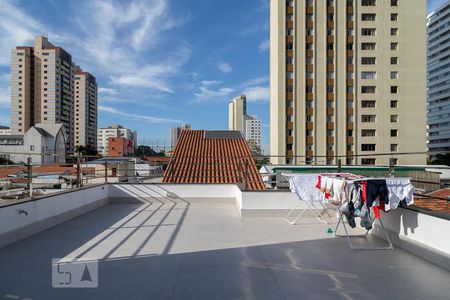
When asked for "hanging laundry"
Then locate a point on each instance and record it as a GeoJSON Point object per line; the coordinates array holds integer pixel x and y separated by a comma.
{"type": "Point", "coordinates": [399, 189]}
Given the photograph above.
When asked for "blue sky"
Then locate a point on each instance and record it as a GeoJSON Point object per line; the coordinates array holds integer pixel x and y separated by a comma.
{"type": "Point", "coordinates": [158, 63]}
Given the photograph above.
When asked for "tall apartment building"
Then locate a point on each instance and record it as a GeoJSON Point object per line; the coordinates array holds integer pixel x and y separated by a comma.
{"type": "Point", "coordinates": [347, 78]}
{"type": "Point", "coordinates": [113, 131]}
{"type": "Point", "coordinates": [253, 129]}
{"type": "Point", "coordinates": [42, 88]}
{"type": "Point", "coordinates": [85, 109]}
{"type": "Point", "coordinates": [237, 109]}
{"type": "Point", "coordinates": [438, 47]}
{"type": "Point", "coordinates": [175, 133]}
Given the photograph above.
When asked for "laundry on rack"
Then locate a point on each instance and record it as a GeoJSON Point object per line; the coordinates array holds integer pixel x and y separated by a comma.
{"type": "Point", "coordinates": [304, 186]}
{"type": "Point", "coordinates": [399, 189]}
{"type": "Point", "coordinates": [363, 197]}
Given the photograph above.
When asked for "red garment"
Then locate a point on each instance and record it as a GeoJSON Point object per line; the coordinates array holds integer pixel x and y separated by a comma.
{"type": "Point", "coordinates": [376, 209]}
{"type": "Point", "coordinates": [318, 182]}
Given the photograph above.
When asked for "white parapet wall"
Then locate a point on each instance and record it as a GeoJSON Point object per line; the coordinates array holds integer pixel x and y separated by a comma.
{"type": "Point", "coordinates": [23, 219]}
{"type": "Point", "coordinates": [211, 193]}
{"type": "Point", "coordinates": [422, 234]}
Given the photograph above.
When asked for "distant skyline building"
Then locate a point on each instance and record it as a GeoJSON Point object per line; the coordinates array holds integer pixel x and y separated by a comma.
{"type": "Point", "coordinates": [175, 133]}
{"type": "Point", "coordinates": [42, 88]}
{"type": "Point", "coordinates": [113, 131]}
{"type": "Point", "coordinates": [347, 78]}
{"type": "Point", "coordinates": [253, 129]}
{"type": "Point", "coordinates": [5, 130]}
{"type": "Point", "coordinates": [249, 126]}
{"type": "Point", "coordinates": [237, 109]}
{"type": "Point", "coordinates": [438, 67]}
{"type": "Point", "coordinates": [85, 109]}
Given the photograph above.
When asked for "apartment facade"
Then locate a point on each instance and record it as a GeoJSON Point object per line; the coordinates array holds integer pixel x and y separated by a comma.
{"type": "Point", "coordinates": [438, 67]}
{"type": "Point", "coordinates": [237, 110]}
{"type": "Point", "coordinates": [113, 131]}
{"type": "Point", "coordinates": [253, 129]}
{"type": "Point", "coordinates": [347, 78]}
{"type": "Point", "coordinates": [175, 133]}
{"type": "Point", "coordinates": [120, 146]}
{"type": "Point", "coordinates": [42, 88]}
{"type": "Point", "coordinates": [85, 109]}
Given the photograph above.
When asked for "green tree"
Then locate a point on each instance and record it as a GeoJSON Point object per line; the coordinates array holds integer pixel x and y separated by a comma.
{"type": "Point", "coordinates": [144, 150]}
{"type": "Point", "coordinates": [257, 153]}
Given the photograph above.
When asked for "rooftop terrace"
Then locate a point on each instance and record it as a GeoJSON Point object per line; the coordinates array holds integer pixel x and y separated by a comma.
{"type": "Point", "coordinates": [193, 242]}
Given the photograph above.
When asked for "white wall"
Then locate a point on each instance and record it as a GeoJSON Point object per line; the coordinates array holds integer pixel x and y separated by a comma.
{"type": "Point", "coordinates": [185, 191]}
{"type": "Point", "coordinates": [416, 232]}
{"type": "Point", "coordinates": [46, 212]}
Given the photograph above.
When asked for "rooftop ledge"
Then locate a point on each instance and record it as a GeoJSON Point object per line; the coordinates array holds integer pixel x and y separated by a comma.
{"type": "Point", "coordinates": [212, 241]}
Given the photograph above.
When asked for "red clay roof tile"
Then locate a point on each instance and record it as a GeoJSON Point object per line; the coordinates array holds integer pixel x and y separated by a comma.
{"type": "Point", "coordinates": [197, 159]}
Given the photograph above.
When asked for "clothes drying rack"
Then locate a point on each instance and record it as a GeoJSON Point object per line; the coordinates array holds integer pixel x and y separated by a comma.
{"type": "Point", "coordinates": [348, 236]}
{"type": "Point", "coordinates": [316, 209]}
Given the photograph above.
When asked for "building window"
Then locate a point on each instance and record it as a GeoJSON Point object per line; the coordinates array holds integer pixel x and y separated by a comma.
{"type": "Point", "coordinates": [394, 31]}
{"type": "Point", "coordinates": [368, 132]}
{"type": "Point", "coordinates": [394, 60]}
{"type": "Point", "coordinates": [368, 161]}
{"type": "Point", "coordinates": [289, 46]}
{"type": "Point", "coordinates": [368, 89]}
{"type": "Point", "coordinates": [394, 89]}
{"type": "Point", "coordinates": [368, 46]}
{"type": "Point", "coordinates": [368, 17]}
{"type": "Point", "coordinates": [394, 2]}
{"type": "Point", "coordinates": [367, 147]}
{"type": "Point", "coordinates": [394, 46]}
{"type": "Point", "coordinates": [289, 89]}
{"type": "Point", "coordinates": [394, 17]}
{"type": "Point", "coordinates": [368, 75]}
{"type": "Point", "coordinates": [289, 75]}
{"type": "Point", "coordinates": [368, 103]}
{"type": "Point", "coordinates": [394, 75]}
{"type": "Point", "coordinates": [368, 118]}
{"type": "Point", "coordinates": [368, 31]}
{"type": "Point", "coordinates": [394, 132]}
{"type": "Point", "coordinates": [394, 118]}
{"type": "Point", "coordinates": [394, 103]}
{"type": "Point", "coordinates": [394, 147]}
{"type": "Point", "coordinates": [368, 60]}
{"type": "Point", "coordinates": [369, 2]}
{"type": "Point", "coordinates": [289, 60]}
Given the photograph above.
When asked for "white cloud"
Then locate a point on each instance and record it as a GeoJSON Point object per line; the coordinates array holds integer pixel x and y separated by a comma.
{"type": "Point", "coordinates": [137, 117]}
{"type": "Point", "coordinates": [107, 91]}
{"type": "Point", "coordinates": [206, 92]}
{"type": "Point", "coordinates": [255, 81]}
{"type": "Point", "coordinates": [264, 45]}
{"type": "Point", "coordinates": [116, 35]}
{"type": "Point", "coordinates": [211, 82]}
{"type": "Point", "coordinates": [224, 67]}
{"type": "Point", "coordinates": [257, 94]}
{"type": "Point", "coordinates": [16, 29]}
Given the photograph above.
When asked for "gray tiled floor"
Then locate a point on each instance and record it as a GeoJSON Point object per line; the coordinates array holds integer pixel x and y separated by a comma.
{"type": "Point", "coordinates": [206, 251]}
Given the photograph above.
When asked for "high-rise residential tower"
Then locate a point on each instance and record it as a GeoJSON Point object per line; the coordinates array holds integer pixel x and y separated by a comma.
{"type": "Point", "coordinates": [347, 78]}
{"type": "Point", "coordinates": [175, 133]}
{"type": "Point", "coordinates": [42, 88]}
{"type": "Point", "coordinates": [237, 109]}
{"type": "Point", "coordinates": [253, 129]}
{"type": "Point", "coordinates": [438, 44]}
{"type": "Point", "coordinates": [85, 109]}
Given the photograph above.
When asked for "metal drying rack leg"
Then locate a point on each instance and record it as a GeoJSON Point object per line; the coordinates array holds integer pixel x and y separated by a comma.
{"type": "Point", "coordinates": [341, 220]}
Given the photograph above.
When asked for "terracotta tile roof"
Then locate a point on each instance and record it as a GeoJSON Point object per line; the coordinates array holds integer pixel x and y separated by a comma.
{"type": "Point", "coordinates": [10, 170]}
{"type": "Point", "coordinates": [221, 159]}
{"type": "Point", "coordinates": [434, 203]}
{"type": "Point", "coordinates": [157, 159]}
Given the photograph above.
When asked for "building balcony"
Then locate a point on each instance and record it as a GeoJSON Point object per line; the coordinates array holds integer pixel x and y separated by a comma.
{"type": "Point", "coordinates": [290, 24]}
{"type": "Point", "coordinates": [290, 67]}
{"type": "Point", "coordinates": [309, 111]}
{"type": "Point", "coordinates": [290, 140]}
{"type": "Point", "coordinates": [309, 140]}
{"type": "Point", "coordinates": [290, 10]}
{"type": "Point", "coordinates": [309, 9]}
{"type": "Point", "coordinates": [290, 125]}
{"type": "Point", "coordinates": [309, 39]}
